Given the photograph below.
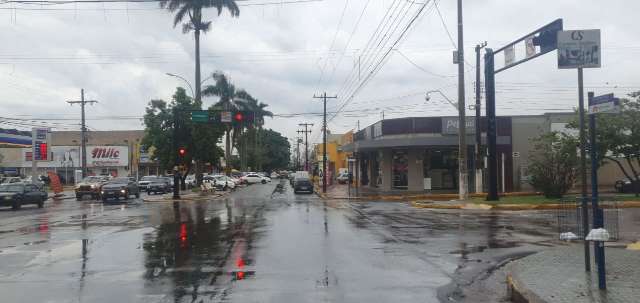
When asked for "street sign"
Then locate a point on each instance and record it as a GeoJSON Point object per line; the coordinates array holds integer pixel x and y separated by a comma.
{"type": "Point", "coordinates": [225, 117]}
{"type": "Point", "coordinates": [579, 49]}
{"type": "Point", "coordinates": [604, 104]}
{"type": "Point", "coordinates": [200, 116]}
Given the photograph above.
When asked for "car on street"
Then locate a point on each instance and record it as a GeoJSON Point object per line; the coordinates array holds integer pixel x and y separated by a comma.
{"type": "Point", "coordinates": [119, 188]}
{"type": "Point", "coordinates": [627, 186]}
{"type": "Point", "coordinates": [8, 180]}
{"type": "Point", "coordinates": [144, 182]}
{"type": "Point", "coordinates": [224, 182]}
{"type": "Point", "coordinates": [302, 184]}
{"type": "Point", "coordinates": [190, 181]}
{"type": "Point", "coordinates": [273, 175]}
{"type": "Point", "coordinates": [159, 185]}
{"type": "Point", "coordinates": [18, 194]}
{"type": "Point", "coordinates": [255, 178]}
{"type": "Point", "coordinates": [90, 186]}
{"type": "Point", "coordinates": [343, 178]}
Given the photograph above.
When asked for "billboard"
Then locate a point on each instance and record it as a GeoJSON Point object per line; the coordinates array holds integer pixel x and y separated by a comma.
{"type": "Point", "coordinates": [107, 156]}
{"type": "Point", "coordinates": [579, 49]}
{"type": "Point", "coordinates": [69, 156]}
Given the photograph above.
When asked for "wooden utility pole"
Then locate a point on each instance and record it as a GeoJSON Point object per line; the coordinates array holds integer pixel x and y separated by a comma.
{"type": "Point", "coordinates": [324, 138]}
{"type": "Point", "coordinates": [83, 130]}
{"type": "Point", "coordinates": [306, 133]}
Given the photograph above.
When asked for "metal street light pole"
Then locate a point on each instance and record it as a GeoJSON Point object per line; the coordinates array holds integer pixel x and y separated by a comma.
{"type": "Point", "coordinates": [183, 79]}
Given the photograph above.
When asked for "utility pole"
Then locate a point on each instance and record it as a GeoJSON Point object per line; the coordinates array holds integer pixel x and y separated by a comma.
{"type": "Point", "coordinates": [477, 163]}
{"type": "Point", "coordinates": [298, 141]}
{"type": "Point", "coordinates": [83, 130]}
{"type": "Point", "coordinates": [324, 138]}
{"type": "Point", "coordinates": [462, 125]}
{"type": "Point", "coordinates": [306, 133]}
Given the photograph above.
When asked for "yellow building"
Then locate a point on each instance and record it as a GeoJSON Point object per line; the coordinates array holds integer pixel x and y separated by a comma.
{"type": "Point", "coordinates": [336, 158]}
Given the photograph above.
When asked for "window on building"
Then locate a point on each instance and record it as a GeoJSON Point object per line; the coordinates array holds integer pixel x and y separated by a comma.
{"type": "Point", "coordinates": [400, 168]}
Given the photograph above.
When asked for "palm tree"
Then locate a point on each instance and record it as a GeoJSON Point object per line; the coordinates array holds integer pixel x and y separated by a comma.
{"type": "Point", "coordinates": [226, 91]}
{"type": "Point", "coordinates": [193, 10]}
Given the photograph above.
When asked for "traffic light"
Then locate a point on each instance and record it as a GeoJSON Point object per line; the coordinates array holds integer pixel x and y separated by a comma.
{"type": "Point", "coordinates": [239, 117]}
{"type": "Point", "coordinates": [547, 38]}
{"type": "Point", "coordinates": [182, 151]}
{"type": "Point", "coordinates": [44, 151]}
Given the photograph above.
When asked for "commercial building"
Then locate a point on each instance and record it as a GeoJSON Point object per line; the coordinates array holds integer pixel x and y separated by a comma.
{"type": "Point", "coordinates": [116, 153]}
{"type": "Point", "coordinates": [336, 157]}
{"type": "Point", "coordinates": [420, 154]}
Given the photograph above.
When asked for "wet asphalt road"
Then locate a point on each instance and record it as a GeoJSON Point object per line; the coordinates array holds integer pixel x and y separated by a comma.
{"type": "Point", "coordinates": [259, 246]}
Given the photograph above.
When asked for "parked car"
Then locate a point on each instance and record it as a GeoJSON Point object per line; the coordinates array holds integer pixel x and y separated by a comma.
{"type": "Point", "coordinates": [18, 194]}
{"type": "Point", "coordinates": [159, 185]}
{"type": "Point", "coordinates": [90, 186]}
{"type": "Point", "coordinates": [8, 180]}
{"type": "Point", "coordinates": [273, 175]}
{"type": "Point", "coordinates": [119, 187]}
{"type": "Point", "coordinates": [626, 186]}
{"type": "Point", "coordinates": [255, 178]}
{"type": "Point", "coordinates": [224, 182]}
{"type": "Point", "coordinates": [343, 178]}
{"type": "Point", "coordinates": [302, 184]}
{"type": "Point", "coordinates": [144, 182]}
{"type": "Point", "coordinates": [237, 181]}
{"type": "Point", "coordinates": [190, 181]}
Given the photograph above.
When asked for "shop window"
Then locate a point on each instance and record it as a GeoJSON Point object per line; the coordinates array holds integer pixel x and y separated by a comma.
{"type": "Point", "coordinates": [400, 169]}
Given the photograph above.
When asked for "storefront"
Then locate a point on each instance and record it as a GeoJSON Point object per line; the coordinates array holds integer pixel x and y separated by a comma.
{"type": "Point", "coordinates": [421, 154]}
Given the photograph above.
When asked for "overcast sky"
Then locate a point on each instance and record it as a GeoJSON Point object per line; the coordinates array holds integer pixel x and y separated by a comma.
{"type": "Point", "coordinates": [283, 54]}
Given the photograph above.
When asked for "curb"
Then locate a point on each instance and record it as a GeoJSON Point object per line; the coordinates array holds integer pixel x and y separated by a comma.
{"type": "Point", "coordinates": [519, 294]}
{"type": "Point", "coordinates": [511, 207]}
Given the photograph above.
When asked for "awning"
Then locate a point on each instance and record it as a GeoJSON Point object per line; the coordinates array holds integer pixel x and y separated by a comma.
{"type": "Point", "coordinates": [359, 146]}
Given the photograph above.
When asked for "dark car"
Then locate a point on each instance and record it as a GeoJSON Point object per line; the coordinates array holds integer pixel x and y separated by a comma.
{"type": "Point", "coordinates": [18, 194]}
{"type": "Point", "coordinates": [90, 186]}
{"type": "Point", "coordinates": [302, 184]}
{"type": "Point", "coordinates": [627, 186]}
{"type": "Point", "coordinates": [120, 188]}
{"type": "Point", "coordinates": [159, 185]}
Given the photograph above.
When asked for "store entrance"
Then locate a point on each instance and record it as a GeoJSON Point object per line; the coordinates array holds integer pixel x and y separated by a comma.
{"type": "Point", "coordinates": [441, 166]}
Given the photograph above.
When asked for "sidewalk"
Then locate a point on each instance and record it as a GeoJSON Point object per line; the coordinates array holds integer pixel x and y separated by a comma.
{"type": "Point", "coordinates": [558, 275]}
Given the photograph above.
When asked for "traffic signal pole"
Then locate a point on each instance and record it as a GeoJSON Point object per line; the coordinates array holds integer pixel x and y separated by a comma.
{"type": "Point", "coordinates": [176, 177]}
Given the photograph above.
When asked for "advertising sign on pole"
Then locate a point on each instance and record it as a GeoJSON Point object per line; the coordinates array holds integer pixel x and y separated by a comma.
{"type": "Point", "coordinates": [509, 55]}
{"type": "Point", "coordinates": [604, 104]}
{"type": "Point", "coordinates": [579, 49]}
{"type": "Point", "coordinates": [225, 117]}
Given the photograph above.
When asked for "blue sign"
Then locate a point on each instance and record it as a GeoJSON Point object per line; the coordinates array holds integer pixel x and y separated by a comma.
{"type": "Point", "coordinates": [602, 99]}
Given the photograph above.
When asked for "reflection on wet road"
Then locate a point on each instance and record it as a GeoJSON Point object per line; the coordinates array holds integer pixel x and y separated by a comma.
{"type": "Point", "coordinates": [259, 244]}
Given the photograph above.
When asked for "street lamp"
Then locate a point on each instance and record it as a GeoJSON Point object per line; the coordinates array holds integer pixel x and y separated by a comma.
{"type": "Point", "coordinates": [183, 79]}
{"type": "Point", "coordinates": [462, 145]}
{"type": "Point", "coordinates": [186, 81]}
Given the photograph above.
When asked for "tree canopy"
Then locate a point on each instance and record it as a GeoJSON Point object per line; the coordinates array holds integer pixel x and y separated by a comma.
{"type": "Point", "coordinates": [200, 140]}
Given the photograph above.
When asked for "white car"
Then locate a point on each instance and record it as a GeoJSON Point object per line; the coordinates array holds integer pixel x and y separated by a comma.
{"type": "Point", "coordinates": [274, 175]}
{"type": "Point", "coordinates": [255, 178]}
{"type": "Point", "coordinates": [225, 182]}
{"type": "Point", "coordinates": [190, 181]}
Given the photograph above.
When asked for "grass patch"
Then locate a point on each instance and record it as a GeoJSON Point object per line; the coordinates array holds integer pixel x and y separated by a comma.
{"type": "Point", "coordinates": [542, 200]}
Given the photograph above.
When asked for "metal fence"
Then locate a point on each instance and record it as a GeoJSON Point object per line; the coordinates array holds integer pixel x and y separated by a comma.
{"type": "Point", "coordinates": [570, 217]}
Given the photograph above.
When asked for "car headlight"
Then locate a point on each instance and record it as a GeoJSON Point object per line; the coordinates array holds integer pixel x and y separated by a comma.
{"type": "Point", "coordinates": [102, 192]}
{"type": "Point", "coordinates": [7, 197]}
{"type": "Point", "coordinates": [93, 186]}
{"type": "Point", "coordinates": [122, 191]}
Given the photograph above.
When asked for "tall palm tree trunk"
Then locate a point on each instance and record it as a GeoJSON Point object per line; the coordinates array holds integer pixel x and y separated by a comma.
{"type": "Point", "coordinates": [196, 33]}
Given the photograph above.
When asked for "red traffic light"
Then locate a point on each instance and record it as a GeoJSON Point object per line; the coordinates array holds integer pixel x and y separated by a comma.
{"type": "Point", "coordinates": [182, 151]}
{"type": "Point", "coordinates": [238, 117]}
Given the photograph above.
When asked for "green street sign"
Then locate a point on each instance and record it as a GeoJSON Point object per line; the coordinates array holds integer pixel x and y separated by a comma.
{"type": "Point", "coordinates": [200, 116]}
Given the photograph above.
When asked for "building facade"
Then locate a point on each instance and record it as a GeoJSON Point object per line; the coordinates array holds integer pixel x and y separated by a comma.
{"type": "Point", "coordinates": [116, 153]}
{"type": "Point", "coordinates": [420, 154]}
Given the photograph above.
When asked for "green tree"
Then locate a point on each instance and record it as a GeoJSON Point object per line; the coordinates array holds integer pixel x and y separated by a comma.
{"type": "Point", "coordinates": [618, 138]}
{"type": "Point", "coordinates": [273, 153]}
{"type": "Point", "coordinates": [200, 140]}
{"type": "Point", "coordinates": [193, 9]}
{"type": "Point", "coordinates": [553, 164]}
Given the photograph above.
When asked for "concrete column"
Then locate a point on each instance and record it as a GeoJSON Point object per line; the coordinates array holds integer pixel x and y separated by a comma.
{"type": "Point", "coordinates": [416, 174]}
{"type": "Point", "coordinates": [387, 159]}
